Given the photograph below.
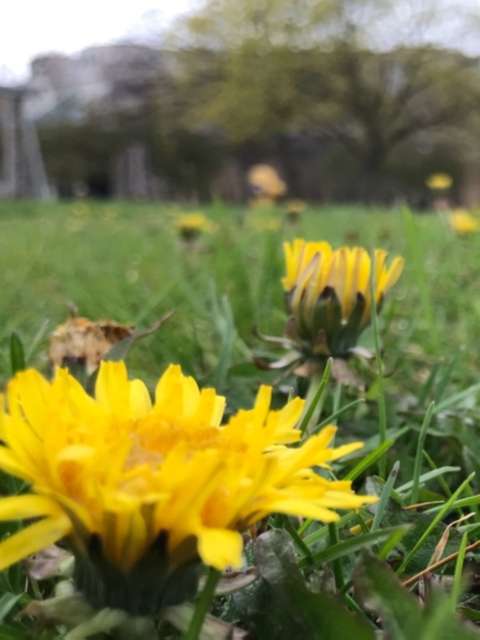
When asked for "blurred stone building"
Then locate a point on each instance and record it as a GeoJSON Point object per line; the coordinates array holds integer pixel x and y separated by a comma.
{"type": "Point", "coordinates": [106, 85]}
{"type": "Point", "coordinates": [22, 172]}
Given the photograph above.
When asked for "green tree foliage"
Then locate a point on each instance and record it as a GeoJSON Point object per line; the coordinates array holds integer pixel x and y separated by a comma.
{"type": "Point", "coordinates": [353, 83]}
{"type": "Point", "coordinates": [316, 67]}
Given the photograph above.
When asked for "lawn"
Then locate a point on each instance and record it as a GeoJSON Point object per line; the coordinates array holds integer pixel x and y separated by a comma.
{"type": "Point", "coordinates": [125, 262]}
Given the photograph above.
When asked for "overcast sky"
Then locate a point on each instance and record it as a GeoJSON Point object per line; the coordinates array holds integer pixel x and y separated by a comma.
{"type": "Point", "coordinates": [31, 27]}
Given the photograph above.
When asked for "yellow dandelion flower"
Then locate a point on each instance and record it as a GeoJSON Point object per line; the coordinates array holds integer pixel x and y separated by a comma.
{"type": "Point", "coordinates": [463, 223]}
{"type": "Point", "coordinates": [439, 181]}
{"type": "Point", "coordinates": [328, 292]}
{"type": "Point", "coordinates": [295, 208]}
{"type": "Point", "coordinates": [265, 181]}
{"type": "Point", "coordinates": [191, 225]}
{"type": "Point", "coordinates": [142, 491]}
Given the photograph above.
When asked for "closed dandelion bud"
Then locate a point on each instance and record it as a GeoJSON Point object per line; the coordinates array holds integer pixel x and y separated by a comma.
{"type": "Point", "coordinates": [328, 294]}
{"type": "Point", "coordinates": [143, 493]}
{"type": "Point", "coordinates": [192, 225]}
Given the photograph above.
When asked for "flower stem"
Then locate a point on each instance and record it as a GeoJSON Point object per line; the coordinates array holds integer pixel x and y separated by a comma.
{"type": "Point", "coordinates": [382, 407]}
{"type": "Point", "coordinates": [202, 605]}
{"type": "Point", "coordinates": [337, 564]}
{"type": "Point", "coordinates": [315, 398]}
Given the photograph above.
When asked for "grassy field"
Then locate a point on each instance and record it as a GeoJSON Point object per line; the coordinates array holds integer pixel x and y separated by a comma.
{"type": "Point", "coordinates": [125, 262]}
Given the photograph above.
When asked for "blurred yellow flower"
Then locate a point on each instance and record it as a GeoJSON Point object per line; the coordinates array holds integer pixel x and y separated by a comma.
{"type": "Point", "coordinates": [295, 207]}
{"type": "Point", "coordinates": [328, 293]}
{"type": "Point", "coordinates": [463, 223]}
{"type": "Point", "coordinates": [265, 181]}
{"type": "Point", "coordinates": [439, 181]}
{"type": "Point", "coordinates": [294, 210]}
{"type": "Point", "coordinates": [191, 225]}
{"type": "Point", "coordinates": [263, 223]}
{"type": "Point", "coordinates": [142, 491]}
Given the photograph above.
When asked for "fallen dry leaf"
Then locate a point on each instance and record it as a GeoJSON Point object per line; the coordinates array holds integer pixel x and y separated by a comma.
{"type": "Point", "coordinates": [81, 341]}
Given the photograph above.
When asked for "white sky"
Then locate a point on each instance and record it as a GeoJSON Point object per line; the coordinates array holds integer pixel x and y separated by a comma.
{"type": "Point", "coordinates": [32, 27]}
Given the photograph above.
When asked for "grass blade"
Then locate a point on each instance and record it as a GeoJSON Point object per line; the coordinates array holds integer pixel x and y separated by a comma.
{"type": "Point", "coordinates": [368, 461]}
{"type": "Point", "coordinates": [385, 496]}
{"type": "Point", "coordinates": [392, 541]}
{"type": "Point", "coordinates": [462, 503]}
{"type": "Point", "coordinates": [37, 339]}
{"type": "Point", "coordinates": [457, 397]}
{"type": "Point", "coordinates": [458, 575]}
{"type": "Point", "coordinates": [336, 414]}
{"type": "Point", "coordinates": [353, 545]}
{"type": "Point", "coordinates": [418, 457]}
{"type": "Point", "coordinates": [440, 515]}
{"type": "Point", "coordinates": [426, 477]}
{"type": "Point", "coordinates": [17, 354]}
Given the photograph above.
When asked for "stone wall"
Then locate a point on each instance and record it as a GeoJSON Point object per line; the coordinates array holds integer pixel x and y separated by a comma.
{"type": "Point", "coordinates": [8, 143]}
{"type": "Point", "coordinates": [22, 172]}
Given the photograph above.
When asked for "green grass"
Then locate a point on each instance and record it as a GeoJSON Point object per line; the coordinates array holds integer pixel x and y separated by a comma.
{"type": "Point", "coordinates": [123, 261]}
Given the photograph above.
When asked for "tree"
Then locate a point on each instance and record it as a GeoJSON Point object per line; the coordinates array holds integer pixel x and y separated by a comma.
{"type": "Point", "coordinates": [324, 69]}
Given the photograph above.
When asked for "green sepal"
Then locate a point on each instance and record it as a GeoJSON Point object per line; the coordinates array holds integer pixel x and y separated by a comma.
{"type": "Point", "coordinates": [148, 587]}
{"type": "Point", "coordinates": [346, 338]}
